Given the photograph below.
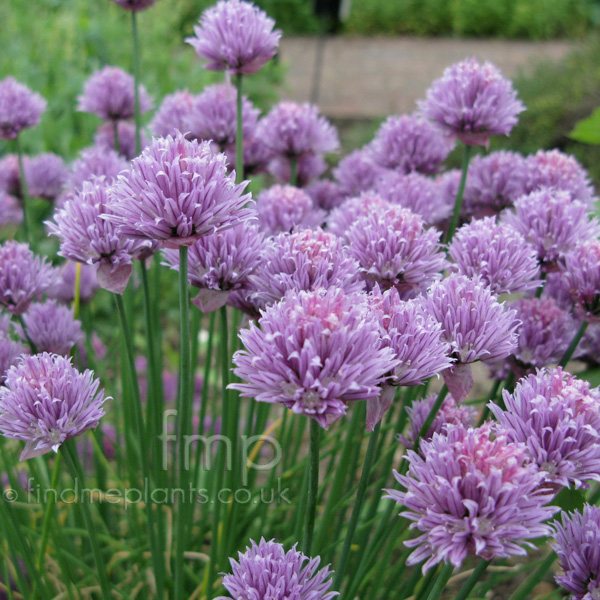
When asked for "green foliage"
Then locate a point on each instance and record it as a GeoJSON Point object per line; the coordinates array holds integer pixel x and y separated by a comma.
{"type": "Point", "coordinates": [480, 17]}
{"type": "Point", "coordinates": [587, 130]}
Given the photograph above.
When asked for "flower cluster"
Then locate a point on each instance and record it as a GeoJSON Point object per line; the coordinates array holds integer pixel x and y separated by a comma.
{"type": "Point", "coordinates": [20, 108]}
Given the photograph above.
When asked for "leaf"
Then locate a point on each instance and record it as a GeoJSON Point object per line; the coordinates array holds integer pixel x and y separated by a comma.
{"type": "Point", "coordinates": [587, 130]}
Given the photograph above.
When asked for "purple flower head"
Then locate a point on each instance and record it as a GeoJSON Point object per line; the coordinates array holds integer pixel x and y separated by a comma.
{"type": "Point", "coordinates": [417, 192]}
{"type": "Point", "coordinates": [46, 175]}
{"type": "Point", "coordinates": [472, 102]}
{"type": "Point", "coordinates": [447, 188]}
{"type": "Point", "coordinates": [498, 254]}
{"type": "Point", "coordinates": [105, 139]}
{"type": "Point", "coordinates": [96, 162]}
{"type": "Point", "coordinates": [88, 237]}
{"type": "Point", "coordinates": [24, 277]}
{"type": "Point", "coordinates": [342, 218]}
{"type": "Point", "coordinates": [555, 169]}
{"type": "Point", "coordinates": [266, 570]}
{"type": "Point", "coordinates": [313, 352]}
{"type": "Point", "coordinates": [410, 143]}
{"type": "Point", "coordinates": [135, 5]}
{"type": "Point", "coordinates": [220, 263]}
{"type": "Point", "coordinates": [304, 260]}
{"type": "Point", "coordinates": [294, 130]}
{"type": "Point", "coordinates": [109, 93]}
{"type": "Point", "coordinates": [256, 157]}
{"type": "Point", "coordinates": [326, 194]}
{"type": "Point", "coordinates": [213, 116]}
{"type": "Point", "coordinates": [576, 543]}
{"type": "Point", "coordinates": [52, 328]}
{"type": "Point", "coordinates": [20, 108]}
{"type": "Point", "coordinates": [175, 192]}
{"type": "Point", "coordinates": [10, 179]}
{"type": "Point", "coordinates": [64, 290]}
{"type": "Point", "coordinates": [356, 172]}
{"type": "Point", "coordinates": [11, 212]}
{"type": "Point", "coordinates": [394, 249]}
{"type": "Point", "coordinates": [581, 271]}
{"type": "Point", "coordinates": [10, 351]}
{"type": "Point", "coordinates": [283, 207]}
{"type": "Point", "coordinates": [235, 36]}
{"type": "Point", "coordinates": [47, 401]}
{"type": "Point", "coordinates": [557, 417]}
{"type": "Point", "coordinates": [450, 413]}
{"type": "Point", "coordinates": [471, 493]}
{"type": "Point", "coordinates": [553, 223]}
{"type": "Point", "coordinates": [173, 114]}
{"type": "Point", "coordinates": [494, 183]}
{"type": "Point", "coordinates": [309, 167]}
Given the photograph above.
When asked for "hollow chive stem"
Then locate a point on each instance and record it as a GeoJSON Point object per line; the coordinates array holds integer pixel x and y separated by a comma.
{"type": "Point", "coordinates": [461, 191]}
{"type": "Point", "coordinates": [313, 486]}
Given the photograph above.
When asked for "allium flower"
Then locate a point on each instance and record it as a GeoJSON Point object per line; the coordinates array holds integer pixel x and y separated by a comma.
{"type": "Point", "coordinates": [10, 351]}
{"type": "Point", "coordinates": [283, 207]}
{"type": "Point", "coordinates": [494, 183]}
{"type": "Point", "coordinates": [557, 417]}
{"type": "Point", "coordinates": [24, 277]}
{"type": "Point", "coordinates": [109, 93]}
{"type": "Point", "coordinates": [96, 162]}
{"type": "Point", "coordinates": [447, 188]}
{"type": "Point", "coordinates": [173, 114]}
{"type": "Point", "coordinates": [105, 138]}
{"type": "Point", "coordinates": [64, 289]}
{"type": "Point", "coordinates": [213, 116]}
{"type": "Point", "coordinates": [256, 157]}
{"type": "Point", "coordinates": [498, 254]}
{"type": "Point", "coordinates": [20, 108]}
{"type": "Point", "coordinates": [176, 191]}
{"type": "Point", "coordinates": [357, 173]}
{"type": "Point", "coordinates": [342, 218]}
{"type": "Point", "coordinates": [450, 413]}
{"type": "Point", "coordinates": [11, 212]}
{"type": "Point", "coordinates": [46, 402]}
{"type": "Point", "coordinates": [471, 493]}
{"type": "Point", "coordinates": [46, 175]}
{"type": "Point", "coordinates": [394, 249]}
{"type": "Point", "coordinates": [308, 168]}
{"type": "Point", "coordinates": [576, 543]}
{"type": "Point", "coordinates": [10, 179]}
{"type": "Point", "coordinates": [326, 194]}
{"type": "Point", "coordinates": [410, 143]}
{"type": "Point", "coordinates": [52, 328]}
{"type": "Point", "coordinates": [472, 102]}
{"type": "Point", "coordinates": [581, 271]}
{"type": "Point", "coordinates": [313, 352]}
{"type": "Point", "coordinates": [88, 237]}
{"type": "Point", "coordinates": [220, 263]}
{"type": "Point", "coordinates": [552, 222]}
{"type": "Point", "coordinates": [266, 570]}
{"type": "Point", "coordinates": [303, 260]}
{"type": "Point", "coordinates": [417, 192]}
{"type": "Point", "coordinates": [553, 168]}
{"type": "Point", "coordinates": [135, 5]}
{"type": "Point", "coordinates": [294, 130]}
{"type": "Point", "coordinates": [235, 36]}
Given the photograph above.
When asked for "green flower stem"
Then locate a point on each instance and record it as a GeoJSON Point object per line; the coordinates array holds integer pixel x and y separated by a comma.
{"type": "Point", "coordinates": [117, 141]}
{"type": "Point", "coordinates": [294, 171]}
{"type": "Point", "coordinates": [573, 346]}
{"type": "Point", "coordinates": [430, 417]}
{"type": "Point", "coordinates": [77, 291]}
{"type": "Point", "coordinates": [24, 187]}
{"type": "Point", "coordinates": [136, 79]}
{"type": "Point", "coordinates": [460, 193]}
{"type": "Point", "coordinates": [313, 486]}
{"type": "Point", "coordinates": [491, 396]}
{"type": "Point", "coordinates": [441, 581]}
{"type": "Point", "coordinates": [524, 590]}
{"type": "Point", "coordinates": [29, 341]}
{"type": "Point", "coordinates": [360, 497]}
{"type": "Point", "coordinates": [239, 136]}
{"type": "Point", "coordinates": [475, 576]}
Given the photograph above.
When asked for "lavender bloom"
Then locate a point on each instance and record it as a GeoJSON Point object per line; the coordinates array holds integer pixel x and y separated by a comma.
{"type": "Point", "coordinates": [581, 271]}
{"type": "Point", "coordinates": [109, 93]}
{"type": "Point", "coordinates": [326, 194]}
{"type": "Point", "coordinates": [309, 167]}
{"type": "Point", "coordinates": [417, 192]}
{"type": "Point", "coordinates": [52, 328]}
{"type": "Point", "coordinates": [557, 417]}
{"type": "Point", "coordinates": [236, 36]}
{"type": "Point", "coordinates": [213, 116]}
{"type": "Point", "coordinates": [283, 207]}
{"type": "Point", "coordinates": [553, 223]}
{"type": "Point", "coordinates": [46, 175]}
{"type": "Point", "coordinates": [24, 277]}
{"type": "Point", "coordinates": [176, 191]}
{"type": "Point", "coordinates": [295, 130]}
{"type": "Point", "coordinates": [357, 173]}
{"type": "Point", "coordinates": [10, 351]}
{"type": "Point", "coordinates": [266, 570]}
{"type": "Point", "coordinates": [220, 263]}
{"type": "Point", "coordinates": [303, 260]}
{"type": "Point", "coordinates": [314, 352]}
{"type": "Point", "coordinates": [256, 157]}
{"type": "Point", "coordinates": [173, 114]}
{"type": "Point", "coordinates": [46, 402]}
{"type": "Point", "coordinates": [498, 254]}
{"type": "Point", "coordinates": [495, 181]}
{"type": "Point", "coordinates": [64, 289]}
{"type": "Point", "coordinates": [10, 210]}
{"type": "Point", "coordinates": [553, 168]}
{"type": "Point", "coordinates": [96, 162]}
{"type": "Point", "coordinates": [472, 102]}
{"type": "Point", "coordinates": [410, 143]}
{"type": "Point", "coordinates": [342, 218]}
{"type": "Point", "coordinates": [20, 108]}
{"type": "Point", "coordinates": [447, 188]}
{"type": "Point", "coordinates": [394, 249]}
{"type": "Point", "coordinates": [576, 544]}
{"type": "Point", "coordinates": [105, 139]}
{"type": "Point", "coordinates": [10, 179]}
{"type": "Point", "coordinates": [135, 5]}
{"type": "Point", "coordinates": [471, 493]}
